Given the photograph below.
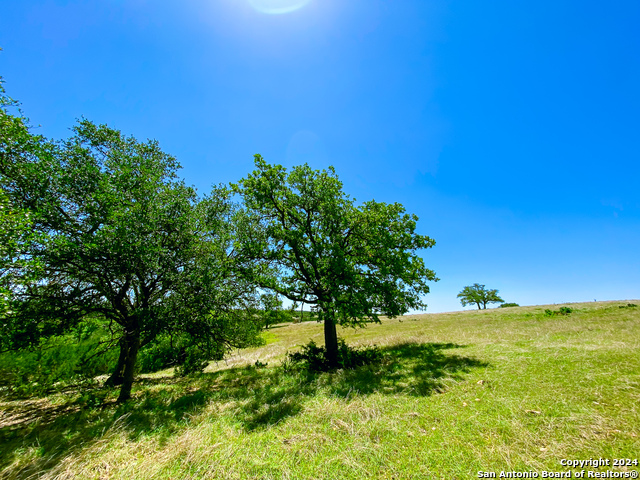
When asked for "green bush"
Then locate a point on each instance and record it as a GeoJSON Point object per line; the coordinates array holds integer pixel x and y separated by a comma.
{"type": "Point", "coordinates": [58, 361]}
{"type": "Point", "coordinates": [179, 352]}
{"type": "Point", "coordinates": [628, 305]}
{"type": "Point", "coordinates": [163, 353]}
{"type": "Point", "coordinates": [195, 361]}
{"type": "Point", "coordinates": [314, 358]}
{"type": "Point", "coordinates": [561, 311]}
{"type": "Point", "coordinates": [507, 305]}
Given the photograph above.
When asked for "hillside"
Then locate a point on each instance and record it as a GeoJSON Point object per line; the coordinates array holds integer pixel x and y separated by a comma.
{"type": "Point", "coordinates": [456, 393]}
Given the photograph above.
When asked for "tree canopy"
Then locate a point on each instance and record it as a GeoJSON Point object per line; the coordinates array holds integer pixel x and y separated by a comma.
{"type": "Point", "coordinates": [121, 237]}
{"type": "Point", "coordinates": [14, 230]}
{"type": "Point", "coordinates": [15, 224]}
{"type": "Point", "coordinates": [479, 295]}
{"type": "Point", "coordinates": [353, 263]}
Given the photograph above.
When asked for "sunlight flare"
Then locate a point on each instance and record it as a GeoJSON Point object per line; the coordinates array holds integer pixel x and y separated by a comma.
{"type": "Point", "coordinates": [278, 7]}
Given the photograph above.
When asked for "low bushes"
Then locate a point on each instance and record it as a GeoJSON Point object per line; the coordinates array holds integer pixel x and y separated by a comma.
{"type": "Point", "coordinates": [561, 311]}
{"type": "Point", "coordinates": [314, 358]}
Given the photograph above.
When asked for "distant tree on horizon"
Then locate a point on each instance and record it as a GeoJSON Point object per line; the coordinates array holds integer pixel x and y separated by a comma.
{"type": "Point", "coordinates": [479, 295]}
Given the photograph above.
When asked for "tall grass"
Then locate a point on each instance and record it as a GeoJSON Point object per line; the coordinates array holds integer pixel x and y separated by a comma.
{"type": "Point", "coordinates": [455, 393]}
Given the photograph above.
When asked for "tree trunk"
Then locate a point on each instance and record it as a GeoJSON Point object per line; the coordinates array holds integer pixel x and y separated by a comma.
{"type": "Point", "coordinates": [331, 340]}
{"type": "Point", "coordinates": [117, 377]}
{"type": "Point", "coordinates": [132, 345]}
{"type": "Point", "coordinates": [479, 306]}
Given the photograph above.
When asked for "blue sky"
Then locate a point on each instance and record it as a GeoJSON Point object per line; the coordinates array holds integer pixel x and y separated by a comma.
{"type": "Point", "coordinates": [512, 129]}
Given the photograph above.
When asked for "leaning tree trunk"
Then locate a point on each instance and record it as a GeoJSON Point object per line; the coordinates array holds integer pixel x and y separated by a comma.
{"type": "Point", "coordinates": [331, 339]}
{"type": "Point", "coordinates": [117, 377]}
{"type": "Point", "coordinates": [131, 342]}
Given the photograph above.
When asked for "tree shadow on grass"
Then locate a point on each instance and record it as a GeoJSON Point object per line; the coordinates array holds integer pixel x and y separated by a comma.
{"type": "Point", "coordinates": [37, 436]}
{"type": "Point", "coordinates": [410, 369]}
{"type": "Point", "coordinates": [32, 443]}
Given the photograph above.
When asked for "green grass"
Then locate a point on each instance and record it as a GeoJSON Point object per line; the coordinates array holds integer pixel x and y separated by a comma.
{"type": "Point", "coordinates": [501, 389]}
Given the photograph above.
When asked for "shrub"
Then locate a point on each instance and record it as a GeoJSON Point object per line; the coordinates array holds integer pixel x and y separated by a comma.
{"type": "Point", "coordinates": [314, 358]}
{"type": "Point", "coordinates": [195, 361]}
{"type": "Point", "coordinates": [177, 351]}
{"type": "Point", "coordinates": [58, 362]}
{"type": "Point", "coordinates": [507, 305]}
{"type": "Point", "coordinates": [628, 305]}
{"type": "Point", "coordinates": [163, 353]}
{"type": "Point", "coordinates": [561, 311]}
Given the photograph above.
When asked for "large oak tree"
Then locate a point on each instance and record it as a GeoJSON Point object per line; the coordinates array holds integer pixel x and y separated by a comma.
{"type": "Point", "coordinates": [121, 237]}
{"type": "Point", "coordinates": [353, 263]}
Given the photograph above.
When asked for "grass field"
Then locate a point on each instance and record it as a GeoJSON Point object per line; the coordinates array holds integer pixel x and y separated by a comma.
{"type": "Point", "coordinates": [456, 393]}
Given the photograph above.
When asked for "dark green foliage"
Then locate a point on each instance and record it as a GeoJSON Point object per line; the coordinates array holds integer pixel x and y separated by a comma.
{"type": "Point", "coordinates": [316, 246]}
{"type": "Point", "coordinates": [561, 311]}
{"type": "Point", "coordinates": [116, 234]}
{"type": "Point", "coordinates": [314, 358]}
{"type": "Point", "coordinates": [507, 305]}
{"type": "Point", "coordinates": [628, 305]}
{"type": "Point", "coordinates": [168, 351]}
{"type": "Point", "coordinates": [479, 295]}
{"type": "Point", "coordinates": [180, 352]}
{"type": "Point", "coordinates": [194, 360]}
{"type": "Point", "coordinates": [15, 222]}
{"type": "Point", "coordinates": [58, 361]}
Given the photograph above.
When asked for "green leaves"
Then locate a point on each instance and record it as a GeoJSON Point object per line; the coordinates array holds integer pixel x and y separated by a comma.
{"type": "Point", "coordinates": [121, 238]}
{"type": "Point", "coordinates": [100, 225]}
{"type": "Point", "coordinates": [479, 295]}
{"type": "Point", "coordinates": [354, 262]}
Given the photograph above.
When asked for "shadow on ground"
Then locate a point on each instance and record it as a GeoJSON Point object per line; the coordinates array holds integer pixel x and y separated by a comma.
{"type": "Point", "coordinates": [35, 436]}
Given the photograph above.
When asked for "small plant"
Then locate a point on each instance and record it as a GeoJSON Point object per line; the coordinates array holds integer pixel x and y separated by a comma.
{"type": "Point", "coordinates": [628, 305]}
{"type": "Point", "coordinates": [314, 358]}
{"type": "Point", "coordinates": [561, 311]}
{"type": "Point", "coordinates": [92, 399]}
{"type": "Point", "coordinates": [260, 364]}
{"type": "Point", "coordinates": [507, 305]}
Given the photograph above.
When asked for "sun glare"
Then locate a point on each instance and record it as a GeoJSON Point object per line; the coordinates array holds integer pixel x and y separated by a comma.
{"type": "Point", "coordinates": [278, 7]}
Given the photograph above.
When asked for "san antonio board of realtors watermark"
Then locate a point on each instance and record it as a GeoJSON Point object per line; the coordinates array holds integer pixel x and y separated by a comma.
{"type": "Point", "coordinates": [626, 464]}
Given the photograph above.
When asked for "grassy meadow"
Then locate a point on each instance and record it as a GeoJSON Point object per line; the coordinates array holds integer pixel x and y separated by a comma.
{"type": "Point", "coordinates": [455, 393]}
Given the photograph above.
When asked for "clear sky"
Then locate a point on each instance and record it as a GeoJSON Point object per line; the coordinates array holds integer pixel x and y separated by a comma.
{"type": "Point", "coordinates": [512, 129]}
